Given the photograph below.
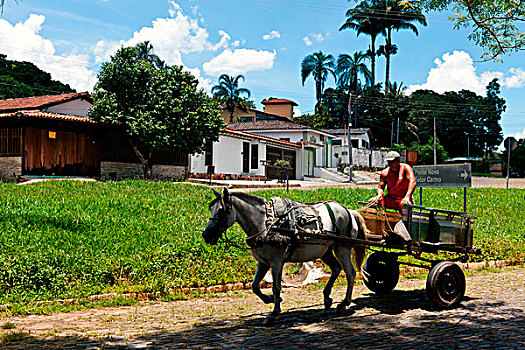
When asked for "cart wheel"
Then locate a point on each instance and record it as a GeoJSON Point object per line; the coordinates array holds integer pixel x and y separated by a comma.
{"type": "Point", "coordinates": [381, 272]}
{"type": "Point", "coordinates": [446, 284]}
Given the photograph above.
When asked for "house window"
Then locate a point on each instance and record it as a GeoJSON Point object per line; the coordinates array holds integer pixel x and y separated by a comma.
{"type": "Point", "coordinates": [208, 160]}
{"type": "Point", "coordinates": [11, 141]}
{"type": "Point", "coordinates": [355, 143]}
{"type": "Point", "coordinates": [246, 119]}
{"type": "Point", "coordinates": [321, 137]}
{"type": "Point", "coordinates": [365, 144]}
{"type": "Point", "coordinates": [255, 157]}
{"type": "Point", "coordinates": [337, 142]}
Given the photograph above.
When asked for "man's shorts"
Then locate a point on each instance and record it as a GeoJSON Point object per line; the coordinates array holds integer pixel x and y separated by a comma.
{"type": "Point", "coordinates": [394, 203]}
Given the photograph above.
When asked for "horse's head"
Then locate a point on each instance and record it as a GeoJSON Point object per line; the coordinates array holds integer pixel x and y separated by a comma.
{"type": "Point", "coordinates": [221, 217]}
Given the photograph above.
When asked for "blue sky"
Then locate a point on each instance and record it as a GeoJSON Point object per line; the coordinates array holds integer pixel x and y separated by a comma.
{"type": "Point", "coordinates": [265, 40]}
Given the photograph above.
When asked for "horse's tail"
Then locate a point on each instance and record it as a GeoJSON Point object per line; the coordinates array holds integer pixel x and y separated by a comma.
{"type": "Point", "coordinates": [362, 232]}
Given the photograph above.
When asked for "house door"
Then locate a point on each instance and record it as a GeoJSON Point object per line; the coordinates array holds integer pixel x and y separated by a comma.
{"type": "Point", "coordinates": [245, 157]}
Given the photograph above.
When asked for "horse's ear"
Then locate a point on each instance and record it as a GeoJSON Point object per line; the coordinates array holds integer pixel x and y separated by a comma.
{"type": "Point", "coordinates": [226, 195]}
{"type": "Point", "coordinates": [217, 194]}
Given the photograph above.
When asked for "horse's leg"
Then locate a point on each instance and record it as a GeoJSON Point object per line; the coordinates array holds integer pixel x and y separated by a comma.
{"type": "Point", "coordinates": [277, 274]}
{"type": "Point", "coordinates": [344, 255]}
{"type": "Point", "coordinates": [335, 269]}
{"type": "Point", "coordinates": [261, 271]}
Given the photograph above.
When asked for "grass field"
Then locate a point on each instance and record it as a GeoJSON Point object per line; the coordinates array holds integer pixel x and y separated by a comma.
{"type": "Point", "coordinates": [66, 239]}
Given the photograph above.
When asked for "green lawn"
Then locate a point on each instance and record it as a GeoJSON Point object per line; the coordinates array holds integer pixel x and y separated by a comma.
{"type": "Point", "coordinates": [63, 239]}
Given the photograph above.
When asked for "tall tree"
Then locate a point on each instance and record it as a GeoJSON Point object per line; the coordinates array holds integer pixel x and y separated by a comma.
{"type": "Point", "coordinates": [349, 68]}
{"type": "Point", "coordinates": [155, 108]}
{"type": "Point", "coordinates": [365, 18]}
{"type": "Point", "coordinates": [318, 65]}
{"type": "Point", "coordinates": [397, 15]}
{"type": "Point", "coordinates": [145, 52]}
{"type": "Point", "coordinates": [497, 25]}
{"type": "Point", "coordinates": [229, 92]}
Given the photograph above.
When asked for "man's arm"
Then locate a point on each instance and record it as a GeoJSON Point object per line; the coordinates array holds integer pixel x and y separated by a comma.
{"type": "Point", "coordinates": [411, 184]}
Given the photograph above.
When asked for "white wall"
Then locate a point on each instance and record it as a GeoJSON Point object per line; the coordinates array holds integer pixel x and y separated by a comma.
{"type": "Point", "coordinates": [75, 107]}
{"type": "Point", "coordinates": [227, 157]}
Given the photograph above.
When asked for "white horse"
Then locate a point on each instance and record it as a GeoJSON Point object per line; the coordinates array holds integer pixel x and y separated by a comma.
{"type": "Point", "coordinates": [249, 212]}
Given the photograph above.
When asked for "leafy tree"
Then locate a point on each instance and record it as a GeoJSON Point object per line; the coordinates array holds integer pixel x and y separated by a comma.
{"type": "Point", "coordinates": [229, 92]}
{"type": "Point", "coordinates": [24, 79]}
{"type": "Point", "coordinates": [318, 65]}
{"type": "Point", "coordinates": [366, 19]}
{"type": "Point", "coordinates": [517, 159]}
{"type": "Point", "coordinates": [496, 24]}
{"type": "Point", "coordinates": [156, 108]}
{"type": "Point", "coordinates": [349, 68]}
{"type": "Point", "coordinates": [397, 15]}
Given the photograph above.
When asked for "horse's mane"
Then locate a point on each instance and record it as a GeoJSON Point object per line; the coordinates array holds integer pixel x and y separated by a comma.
{"type": "Point", "coordinates": [250, 197]}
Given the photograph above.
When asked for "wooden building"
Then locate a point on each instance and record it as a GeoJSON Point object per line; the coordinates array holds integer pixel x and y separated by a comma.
{"type": "Point", "coordinates": [53, 136]}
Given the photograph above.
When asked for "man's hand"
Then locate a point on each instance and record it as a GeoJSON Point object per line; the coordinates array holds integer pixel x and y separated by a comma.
{"type": "Point", "coordinates": [406, 200]}
{"type": "Point", "coordinates": [376, 199]}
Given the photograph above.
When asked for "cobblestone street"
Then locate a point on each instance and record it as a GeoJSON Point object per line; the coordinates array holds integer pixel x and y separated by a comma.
{"type": "Point", "coordinates": [491, 316]}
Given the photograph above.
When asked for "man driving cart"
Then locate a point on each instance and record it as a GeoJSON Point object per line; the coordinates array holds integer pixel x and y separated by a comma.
{"type": "Point", "coordinates": [400, 182]}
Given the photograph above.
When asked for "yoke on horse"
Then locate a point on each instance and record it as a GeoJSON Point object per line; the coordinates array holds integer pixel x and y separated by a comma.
{"type": "Point", "coordinates": [274, 236]}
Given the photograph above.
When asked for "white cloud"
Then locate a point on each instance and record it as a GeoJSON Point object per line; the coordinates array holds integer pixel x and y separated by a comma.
{"type": "Point", "coordinates": [318, 37]}
{"type": "Point", "coordinates": [171, 38]}
{"type": "Point", "coordinates": [307, 41]}
{"type": "Point", "coordinates": [456, 71]}
{"type": "Point", "coordinates": [272, 35]}
{"type": "Point", "coordinates": [22, 42]}
{"type": "Point", "coordinates": [239, 61]}
{"type": "Point", "coordinates": [296, 112]}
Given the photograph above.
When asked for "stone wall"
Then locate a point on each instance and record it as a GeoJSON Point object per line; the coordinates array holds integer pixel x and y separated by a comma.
{"type": "Point", "coordinates": [120, 171]}
{"type": "Point", "coordinates": [368, 158]}
{"type": "Point", "coordinates": [10, 168]}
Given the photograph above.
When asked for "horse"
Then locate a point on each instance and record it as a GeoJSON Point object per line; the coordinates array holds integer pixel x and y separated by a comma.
{"type": "Point", "coordinates": [249, 212]}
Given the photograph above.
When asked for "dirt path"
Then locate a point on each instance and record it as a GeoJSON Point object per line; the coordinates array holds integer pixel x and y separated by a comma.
{"type": "Point", "coordinates": [491, 316]}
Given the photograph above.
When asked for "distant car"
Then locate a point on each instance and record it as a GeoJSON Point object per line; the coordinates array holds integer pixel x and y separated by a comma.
{"type": "Point", "coordinates": [514, 174]}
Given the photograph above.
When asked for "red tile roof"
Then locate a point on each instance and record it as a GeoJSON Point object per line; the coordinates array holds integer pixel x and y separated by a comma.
{"type": "Point", "coordinates": [262, 137]}
{"type": "Point", "coordinates": [48, 115]}
{"type": "Point", "coordinates": [267, 125]}
{"type": "Point", "coordinates": [275, 101]}
{"type": "Point", "coordinates": [39, 102]}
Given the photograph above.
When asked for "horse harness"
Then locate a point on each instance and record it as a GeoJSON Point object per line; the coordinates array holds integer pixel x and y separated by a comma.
{"type": "Point", "coordinates": [285, 219]}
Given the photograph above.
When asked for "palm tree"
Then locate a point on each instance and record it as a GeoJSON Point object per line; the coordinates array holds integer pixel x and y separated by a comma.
{"type": "Point", "coordinates": [349, 68]}
{"type": "Point", "coordinates": [366, 19]}
{"type": "Point", "coordinates": [145, 52]}
{"type": "Point", "coordinates": [228, 91]}
{"type": "Point", "coordinates": [397, 15]}
{"type": "Point", "coordinates": [318, 65]}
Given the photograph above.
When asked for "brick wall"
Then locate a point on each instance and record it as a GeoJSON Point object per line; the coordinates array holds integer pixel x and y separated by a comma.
{"type": "Point", "coordinates": [120, 170]}
{"type": "Point", "coordinates": [10, 168]}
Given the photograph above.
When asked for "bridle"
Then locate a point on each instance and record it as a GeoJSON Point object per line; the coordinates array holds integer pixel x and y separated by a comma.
{"type": "Point", "coordinates": [223, 214]}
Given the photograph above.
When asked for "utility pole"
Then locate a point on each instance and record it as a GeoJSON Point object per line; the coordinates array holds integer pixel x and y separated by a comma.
{"type": "Point", "coordinates": [397, 131]}
{"type": "Point", "coordinates": [350, 134]}
{"type": "Point", "coordinates": [435, 150]}
{"type": "Point", "coordinates": [392, 136]}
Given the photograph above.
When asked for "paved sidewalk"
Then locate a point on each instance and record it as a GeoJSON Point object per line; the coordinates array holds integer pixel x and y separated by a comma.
{"type": "Point", "coordinates": [492, 316]}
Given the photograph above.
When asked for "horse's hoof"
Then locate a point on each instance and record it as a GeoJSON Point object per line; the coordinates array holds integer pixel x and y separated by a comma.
{"type": "Point", "coordinates": [340, 310]}
{"type": "Point", "coordinates": [328, 303]}
{"type": "Point", "coordinates": [270, 319]}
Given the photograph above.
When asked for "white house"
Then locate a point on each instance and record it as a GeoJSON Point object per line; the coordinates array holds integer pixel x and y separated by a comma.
{"type": "Point", "coordinates": [316, 144]}
{"type": "Point", "coordinates": [244, 155]}
{"type": "Point", "coordinates": [360, 142]}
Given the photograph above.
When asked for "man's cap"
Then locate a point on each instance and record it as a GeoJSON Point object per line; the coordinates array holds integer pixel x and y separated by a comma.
{"type": "Point", "coordinates": [392, 155]}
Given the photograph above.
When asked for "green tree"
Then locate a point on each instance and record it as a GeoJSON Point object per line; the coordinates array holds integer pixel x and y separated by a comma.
{"type": "Point", "coordinates": [397, 15]}
{"type": "Point", "coordinates": [229, 93]}
{"type": "Point", "coordinates": [366, 19]}
{"type": "Point", "coordinates": [145, 52]}
{"type": "Point", "coordinates": [155, 108]}
{"type": "Point", "coordinates": [318, 65]}
{"type": "Point", "coordinates": [24, 79]}
{"type": "Point", "coordinates": [496, 24]}
{"type": "Point", "coordinates": [349, 68]}
{"type": "Point", "coordinates": [517, 159]}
